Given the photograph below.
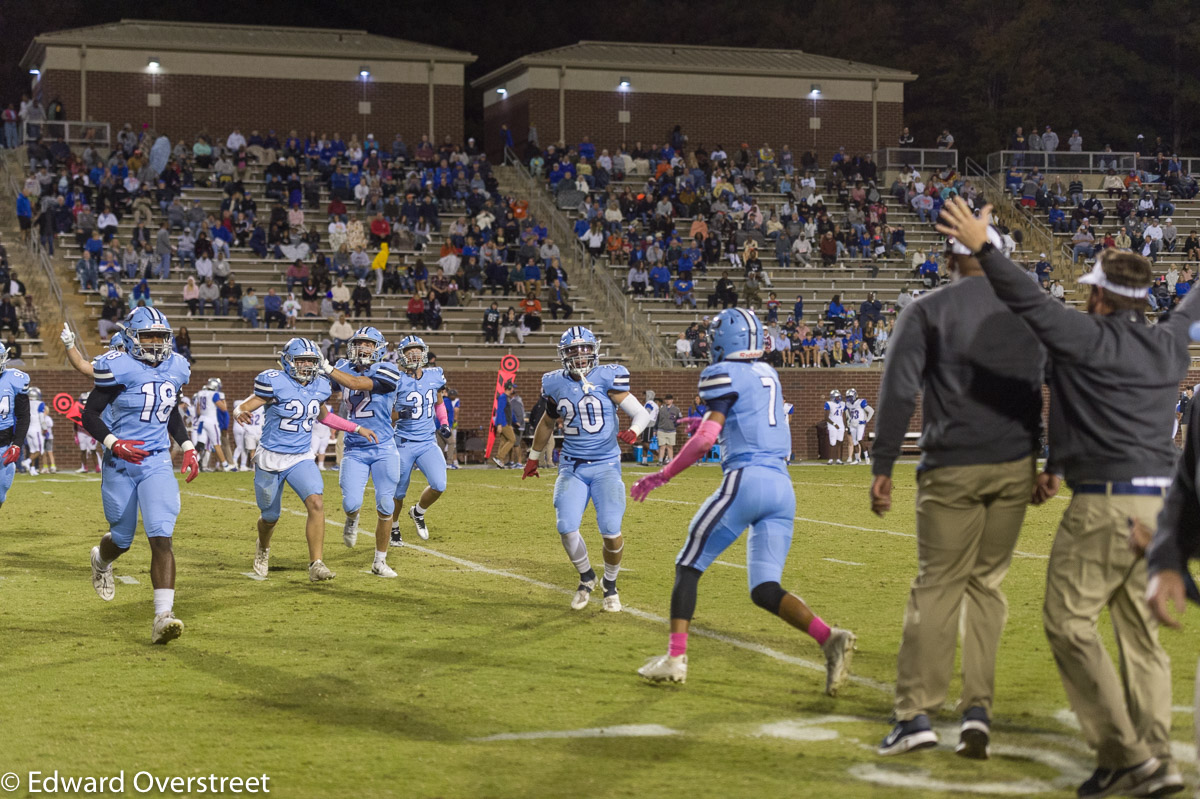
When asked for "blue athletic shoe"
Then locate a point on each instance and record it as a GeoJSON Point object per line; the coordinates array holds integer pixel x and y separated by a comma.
{"type": "Point", "coordinates": [907, 736]}
{"type": "Point", "coordinates": [974, 735]}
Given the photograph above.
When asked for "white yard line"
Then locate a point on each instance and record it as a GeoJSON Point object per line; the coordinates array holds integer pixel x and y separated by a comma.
{"type": "Point", "coordinates": [844, 562]}
{"type": "Point", "coordinates": [616, 731]}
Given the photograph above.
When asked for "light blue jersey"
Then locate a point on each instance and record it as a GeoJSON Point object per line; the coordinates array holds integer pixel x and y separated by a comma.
{"type": "Point", "coordinates": [148, 396]}
{"type": "Point", "coordinates": [291, 411]}
{"type": "Point", "coordinates": [420, 399]}
{"type": "Point", "coordinates": [14, 388]}
{"type": "Point", "coordinates": [372, 409]}
{"type": "Point", "coordinates": [756, 431]}
{"type": "Point", "coordinates": [590, 423]}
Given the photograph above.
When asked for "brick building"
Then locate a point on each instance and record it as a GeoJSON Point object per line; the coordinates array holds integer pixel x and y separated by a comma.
{"type": "Point", "coordinates": [182, 78]}
{"type": "Point", "coordinates": [627, 92]}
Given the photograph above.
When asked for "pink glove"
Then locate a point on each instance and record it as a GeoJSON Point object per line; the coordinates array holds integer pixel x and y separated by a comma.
{"type": "Point", "coordinates": [642, 488]}
{"type": "Point", "coordinates": [693, 423]}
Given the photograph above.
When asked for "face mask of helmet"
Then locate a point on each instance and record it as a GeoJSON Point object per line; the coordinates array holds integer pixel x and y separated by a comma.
{"type": "Point", "coordinates": [415, 357]}
{"type": "Point", "coordinates": [305, 368]}
{"type": "Point", "coordinates": [151, 346]}
{"type": "Point", "coordinates": [580, 359]}
{"type": "Point", "coordinates": [361, 351]}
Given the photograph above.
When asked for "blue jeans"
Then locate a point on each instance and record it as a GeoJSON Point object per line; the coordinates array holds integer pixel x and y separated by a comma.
{"type": "Point", "coordinates": [164, 266]}
{"type": "Point", "coordinates": [87, 274]}
{"type": "Point", "coordinates": [251, 316]}
{"type": "Point", "coordinates": [223, 307]}
{"type": "Point", "coordinates": [1085, 249]}
{"type": "Point", "coordinates": [11, 137]}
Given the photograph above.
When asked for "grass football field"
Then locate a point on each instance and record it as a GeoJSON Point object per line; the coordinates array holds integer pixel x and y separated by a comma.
{"type": "Point", "coordinates": [470, 676]}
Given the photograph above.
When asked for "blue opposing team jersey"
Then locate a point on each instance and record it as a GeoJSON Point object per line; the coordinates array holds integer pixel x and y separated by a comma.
{"type": "Point", "coordinates": [756, 431]}
{"type": "Point", "coordinates": [291, 411]}
{"type": "Point", "coordinates": [371, 409]}
{"type": "Point", "coordinates": [14, 388]}
{"type": "Point", "coordinates": [590, 424]}
{"type": "Point", "coordinates": [145, 404]}
{"type": "Point", "coordinates": [416, 403]}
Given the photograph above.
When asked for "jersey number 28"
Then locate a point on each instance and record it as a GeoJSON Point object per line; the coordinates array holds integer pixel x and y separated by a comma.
{"type": "Point", "coordinates": [299, 416]}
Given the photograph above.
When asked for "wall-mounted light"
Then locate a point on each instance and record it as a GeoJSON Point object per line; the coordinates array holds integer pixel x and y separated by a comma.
{"type": "Point", "coordinates": [625, 84]}
{"type": "Point", "coordinates": [153, 64]}
{"type": "Point", "coordinates": [364, 72]}
{"type": "Point", "coordinates": [34, 71]}
{"type": "Point", "coordinates": [816, 90]}
{"type": "Point", "coordinates": [503, 92]}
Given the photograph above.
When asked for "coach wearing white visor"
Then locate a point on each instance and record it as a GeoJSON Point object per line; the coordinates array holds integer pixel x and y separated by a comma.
{"type": "Point", "coordinates": [1113, 382]}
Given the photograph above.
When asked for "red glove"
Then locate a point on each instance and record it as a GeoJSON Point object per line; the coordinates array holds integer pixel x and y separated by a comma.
{"type": "Point", "coordinates": [531, 469]}
{"type": "Point", "coordinates": [11, 454]}
{"type": "Point", "coordinates": [191, 465]}
{"type": "Point", "coordinates": [128, 450]}
{"type": "Point", "coordinates": [628, 436]}
{"type": "Point", "coordinates": [642, 488]}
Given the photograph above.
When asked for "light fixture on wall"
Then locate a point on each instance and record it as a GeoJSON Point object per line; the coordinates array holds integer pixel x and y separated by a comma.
{"type": "Point", "coordinates": [625, 85]}
{"type": "Point", "coordinates": [815, 90]}
{"type": "Point", "coordinates": [503, 92]}
{"type": "Point", "coordinates": [153, 64]}
{"type": "Point", "coordinates": [364, 72]}
{"type": "Point", "coordinates": [34, 71]}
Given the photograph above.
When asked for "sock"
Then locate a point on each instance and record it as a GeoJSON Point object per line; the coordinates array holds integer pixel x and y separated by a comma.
{"type": "Point", "coordinates": [207, 458]}
{"type": "Point", "coordinates": [101, 562]}
{"type": "Point", "coordinates": [164, 599]}
{"type": "Point", "coordinates": [819, 630]}
{"type": "Point", "coordinates": [576, 549]}
{"type": "Point", "coordinates": [417, 509]}
{"type": "Point", "coordinates": [380, 557]}
{"type": "Point", "coordinates": [677, 644]}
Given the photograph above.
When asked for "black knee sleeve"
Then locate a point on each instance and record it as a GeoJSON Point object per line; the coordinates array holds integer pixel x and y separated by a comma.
{"type": "Point", "coordinates": [683, 595]}
{"type": "Point", "coordinates": [768, 596]}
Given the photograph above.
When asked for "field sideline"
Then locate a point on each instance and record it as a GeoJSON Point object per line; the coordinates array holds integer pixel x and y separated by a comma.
{"type": "Point", "coordinates": [470, 676]}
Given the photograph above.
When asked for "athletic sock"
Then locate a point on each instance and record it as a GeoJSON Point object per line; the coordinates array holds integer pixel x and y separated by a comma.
{"type": "Point", "coordinates": [587, 576]}
{"type": "Point", "coordinates": [417, 509]}
{"type": "Point", "coordinates": [611, 570]}
{"type": "Point", "coordinates": [101, 562]}
{"type": "Point", "coordinates": [677, 644]}
{"type": "Point", "coordinates": [380, 557]}
{"type": "Point", "coordinates": [164, 599]}
{"type": "Point", "coordinates": [609, 586]}
{"type": "Point", "coordinates": [819, 630]}
{"type": "Point", "coordinates": [576, 549]}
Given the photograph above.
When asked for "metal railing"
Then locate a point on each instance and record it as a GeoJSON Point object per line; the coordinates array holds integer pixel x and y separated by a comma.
{"type": "Point", "coordinates": [69, 130]}
{"type": "Point", "coordinates": [39, 254]}
{"type": "Point", "coordinates": [1061, 161]}
{"type": "Point", "coordinates": [922, 159]}
{"type": "Point", "coordinates": [578, 260]}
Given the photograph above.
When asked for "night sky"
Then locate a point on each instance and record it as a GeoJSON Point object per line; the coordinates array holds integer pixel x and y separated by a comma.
{"type": "Point", "coordinates": [1109, 68]}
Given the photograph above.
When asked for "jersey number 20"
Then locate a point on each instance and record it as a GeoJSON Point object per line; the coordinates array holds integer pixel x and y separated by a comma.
{"type": "Point", "coordinates": [591, 415]}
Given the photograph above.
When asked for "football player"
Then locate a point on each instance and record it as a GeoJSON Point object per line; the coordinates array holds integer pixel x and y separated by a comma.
{"type": "Point", "coordinates": [87, 444]}
{"type": "Point", "coordinates": [858, 414]}
{"type": "Point", "coordinates": [293, 399]}
{"type": "Point", "coordinates": [14, 419]}
{"type": "Point", "coordinates": [35, 436]}
{"type": "Point", "coordinates": [421, 419]}
{"type": "Point", "coordinates": [245, 436]}
{"type": "Point", "coordinates": [80, 364]}
{"type": "Point", "coordinates": [835, 425]}
{"type": "Point", "coordinates": [585, 396]}
{"type": "Point", "coordinates": [141, 387]}
{"type": "Point", "coordinates": [207, 402]}
{"type": "Point", "coordinates": [745, 414]}
{"type": "Point", "coordinates": [370, 395]}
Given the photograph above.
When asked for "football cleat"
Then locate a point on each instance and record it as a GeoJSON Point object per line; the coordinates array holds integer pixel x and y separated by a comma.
{"type": "Point", "coordinates": [419, 521]}
{"type": "Point", "coordinates": [839, 651]}
{"type": "Point", "coordinates": [612, 601]}
{"type": "Point", "coordinates": [350, 531]}
{"type": "Point", "coordinates": [380, 568]}
{"type": "Point", "coordinates": [81, 470]}
{"type": "Point", "coordinates": [396, 540]}
{"type": "Point", "coordinates": [664, 668]}
{"type": "Point", "coordinates": [318, 571]}
{"type": "Point", "coordinates": [102, 579]}
{"type": "Point", "coordinates": [262, 559]}
{"type": "Point", "coordinates": [166, 628]}
{"type": "Point", "coordinates": [583, 594]}
{"type": "Point", "coordinates": [229, 467]}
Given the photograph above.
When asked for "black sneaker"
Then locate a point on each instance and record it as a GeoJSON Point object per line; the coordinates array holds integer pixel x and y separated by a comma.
{"type": "Point", "coordinates": [396, 540]}
{"type": "Point", "coordinates": [1163, 782]}
{"type": "Point", "coordinates": [1106, 781]}
{"type": "Point", "coordinates": [974, 735]}
{"type": "Point", "coordinates": [907, 736]}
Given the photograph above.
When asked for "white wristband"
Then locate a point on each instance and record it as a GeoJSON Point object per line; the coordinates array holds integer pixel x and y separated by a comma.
{"type": "Point", "coordinates": [109, 440]}
{"type": "Point", "coordinates": [535, 456]}
{"type": "Point", "coordinates": [187, 446]}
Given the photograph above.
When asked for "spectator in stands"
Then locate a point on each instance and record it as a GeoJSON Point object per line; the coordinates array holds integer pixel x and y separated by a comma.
{"type": "Point", "coordinates": [433, 312]}
{"type": "Point", "coordinates": [928, 271]}
{"type": "Point", "coordinates": [361, 298]}
{"type": "Point", "coordinates": [24, 215]}
{"type": "Point", "coordinates": [660, 279]}
{"type": "Point", "coordinates": [140, 296]}
{"type": "Point", "coordinates": [511, 323]}
{"type": "Point", "coordinates": [871, 309]}
{"type": "Point", "coordinates": [683, 289]}
{"type": "Point", "coordinates": [208, 293]}
{"type": "Point", "coordinates": [341, 296]}
{"type": "Point", "coordinates": [340, 332]}
{"type": "Point", "coordinates": [250, 307]}
{"type": "Point", "coordinates": [829, 249]}
{"type": "Point", "coordinates": [28, 314]}
{"type": "Point", "coordinates": [297, 272]}
{"type": "Point", "coordinates": [637, 279]}
{"type": "Point", "coordinates": [906, 138]}
{"type": "Point", "coordinates": [109, 314]}
{"type": "Point", "coordinates": [231, 297]}
{"type": "Point", "coordinates": [273, 308]}
{"type": "Point", "coordinates": [683, 351]}
{"type": "Point", "coordinates": [1169, 235]}
{"type": "Point", "coordinates": [491, 324]}
{"type": "Point", "coordinates": [191, 296]}
{"type": "Point", "coordinates": [1075, 143]}
{"type": "Point", "coordinates": [162, 251]}
{"type": "Point", "coordinates": [183, 344]}
{"type": "Point", "coordinates": [531, 312]}
{"type": "Point", "coordinates": [835, 312]}
{"type": "Point", "coordinates": [945, 141]}
{"type": "Point", "coordinates": [1083, 243]}
{"type": "Point", "coordinates": [724, 293]}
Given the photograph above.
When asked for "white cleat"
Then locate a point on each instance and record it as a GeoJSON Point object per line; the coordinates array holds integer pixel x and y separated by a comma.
{"type": "Point", "coordinates": [81, 470]}
{"type": "Point", "coordinates": [612, 603]}
{"type": "Point", "coordinates": [583, 594]}
{"type": "Point", "coordinates": [53, 470]}
{"type": "Point", "coordinates": [33, 472]}
{"type": "Point", "coordinates": [830, 463]}
{"type": "Point", "coordinates": [396, 540]}
{"type": "Point", "coordinates": [664, 668]}
{"type": "Point", "coordinates": [350, 531]}
{"type": "Point", "coordinates": [839, 651]}
{"type": "Point", "coordinates": [262, 558]}
{"type": "Point", "coordinates": [318, 572]}
{"type": "Point", "coordinates": [166, 628]}
{"type": "Point", "coordinates": [419, 521]}
{"type": "Point", "coordinates": [380, 568]}
{"type": "Point", "coordinates": [229, 467]}
{"type": "Point", "coordinates": [102, 579]}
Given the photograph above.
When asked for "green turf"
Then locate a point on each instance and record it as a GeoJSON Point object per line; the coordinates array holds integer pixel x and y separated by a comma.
{"type": "Point", "coordinates": [367, 687]}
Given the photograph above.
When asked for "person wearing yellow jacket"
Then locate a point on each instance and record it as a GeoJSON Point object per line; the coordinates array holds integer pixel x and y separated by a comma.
{"type": "Point", "coordinates": [378, 265]}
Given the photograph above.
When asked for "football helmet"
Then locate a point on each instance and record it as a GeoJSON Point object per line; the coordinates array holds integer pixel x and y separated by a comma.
{"type": "Point", "coordinates": [579, 350]}
{"type": "Point", "coordinates": [117, 342]}
{"type": "Point", "coordinates": [3, 357]}
{"type": "Point", "coordinates": [148, 335]}
{"type": "Point", "coordinates": [851, 395]}
{"type": "Point", "coordinates": [367, 346]}
{"type": "Point", "coordinates": [414, 353]}
{"type": "Point", "coordinates": [213, 384]}
{"type": "Point", "coordinates": [299, 360]}
{"type": "Point", "coordinates": [835, 395]}
{"type": "Point", "coordinates": [737, 335]}
{"type": "Point", "coordinates": [35, 394]}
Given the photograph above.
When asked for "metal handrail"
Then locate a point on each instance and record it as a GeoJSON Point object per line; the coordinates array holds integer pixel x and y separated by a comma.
{"type": "Point", "coordinates": [920, 158]}
{"type": "Point", "coordinates": [38, 253]}
{"type": "Point", "coordinates": [71, 131]}
{"type": "Point", "coordinates": [616, 305]}
{"type": "Point", "coordinates": [1060, 161]}
{"type": "Point", "coordinates": [1036, 231]}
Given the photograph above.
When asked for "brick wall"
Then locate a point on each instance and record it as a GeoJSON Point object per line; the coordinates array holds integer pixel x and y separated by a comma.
{"type": "Point", "coordinates": [191, 103]}
{"type": "Point", "coordinates": [706, 120]}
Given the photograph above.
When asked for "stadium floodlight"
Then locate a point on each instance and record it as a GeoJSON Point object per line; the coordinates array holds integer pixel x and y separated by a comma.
{"type": "Point", "coordinates": [503, 92]}
{"type": "Point", "coordinates": [34, 71]}
{"type": "Point", "coordinates": [364, 72]}
{"type": "Point", "coordinates": [816, 90]}
{"type": "Point", "coordinates": [625, 84]}
{"type": "Point", "coordinates": [153, 63]}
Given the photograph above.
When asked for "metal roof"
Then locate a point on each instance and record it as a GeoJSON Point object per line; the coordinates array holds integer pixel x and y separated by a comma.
{"type": "Point", "coordinates": [253, 39]}
{"type": "Point", "coordinates": [698, 59]}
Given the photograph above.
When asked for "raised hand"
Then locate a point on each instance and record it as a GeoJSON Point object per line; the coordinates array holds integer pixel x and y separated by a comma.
{"type": "Point", "coordinates": [642, 488]}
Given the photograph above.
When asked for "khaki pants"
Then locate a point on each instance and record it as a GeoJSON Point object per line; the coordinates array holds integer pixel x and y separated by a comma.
{"type": "Point", "coordinates": [1125, 718]}
{"type": "Point", "coordinates": [452, 447]}
{"type": "Point", "coordinates": [505, 438]}
{"type": "Point", "coordinates": [968, 520]}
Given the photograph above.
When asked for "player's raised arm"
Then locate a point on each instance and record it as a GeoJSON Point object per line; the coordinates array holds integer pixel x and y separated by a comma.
{"type": "Point", "coordinates": [696, 448]}
{"type": "Point", "coordinates": [338, 423]}
{"type": "Point", "coordinates": [639, 417]}
{"type": "Point", "coordinates": [77, 361]}
{"type": "Point", "coordinates": [352, 382]}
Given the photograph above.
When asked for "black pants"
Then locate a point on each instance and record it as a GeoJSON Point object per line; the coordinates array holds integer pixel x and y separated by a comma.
{"type": "Point", "coordinates": [566, 309]}
{"type": "Point", "coordinates": [491, 333]}
{"type": "Point", "coordinates": [533, 322]}
{"type": "Point", "coordinates": [276, 316]}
